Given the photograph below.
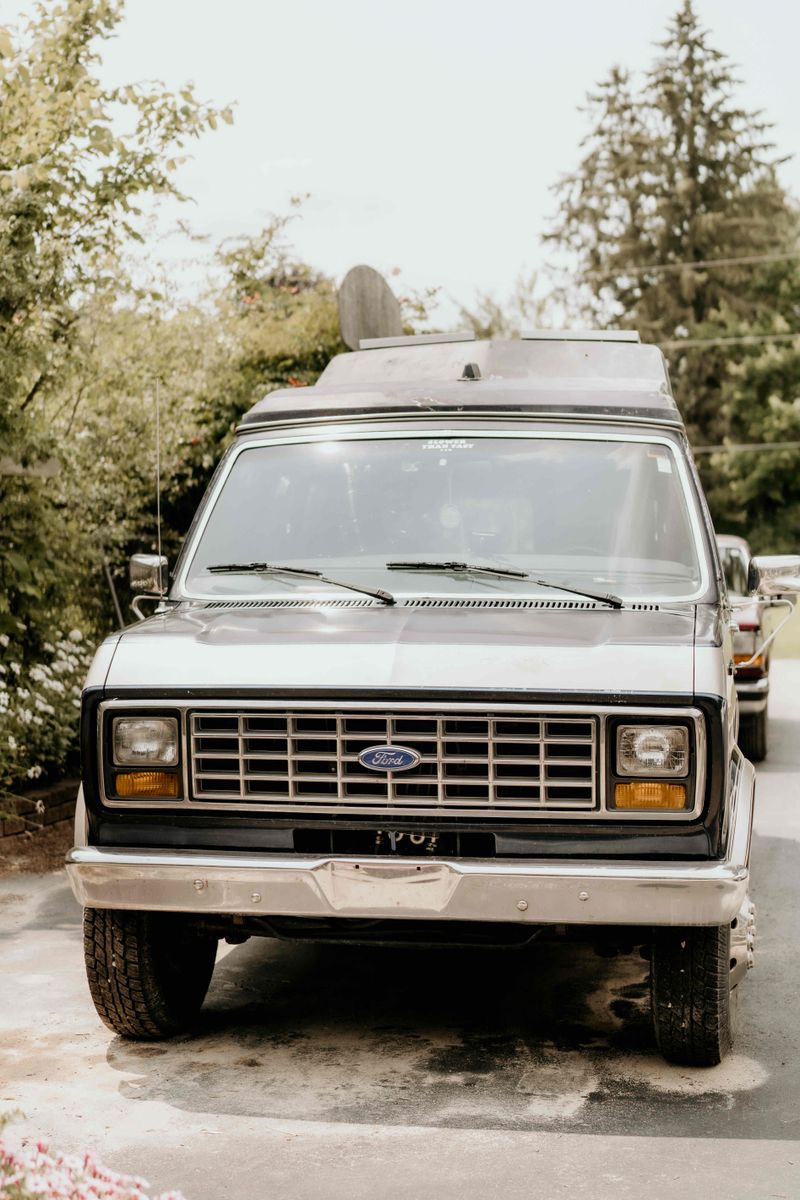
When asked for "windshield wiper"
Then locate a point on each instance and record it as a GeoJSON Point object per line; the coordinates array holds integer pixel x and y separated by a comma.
{"type": "Point", "coordinates": [265, 568]}
{"type": "Point", "coordinates": [457, 568]}
{"type": "Point", "coordinates": [463, 568]}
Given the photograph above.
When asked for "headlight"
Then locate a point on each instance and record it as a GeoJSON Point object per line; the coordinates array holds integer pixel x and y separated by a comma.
{"type": "Point", "coordinates": [139, 741]}
{"type": "Point", "coordinates": [652, 750]}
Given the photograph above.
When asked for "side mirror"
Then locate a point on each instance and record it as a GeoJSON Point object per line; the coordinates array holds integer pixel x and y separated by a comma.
{"type": "Point", "coordinates": [149, 573]}
{"type": "Point", "coordinates": [774, 575]}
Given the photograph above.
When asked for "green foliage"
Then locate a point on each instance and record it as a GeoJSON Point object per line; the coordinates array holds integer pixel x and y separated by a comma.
{"type": "Point", "coordinates": [674, 173]}
{"type": "Point", "coordinates": [524, 309]}
{"type": "Point", "coordinates": [758, 493]}
{"type": "Point", "coordinates": [39, 709]}
{"type": "Point", "coordinates": [275, 324]}
{"type": "Point", "coordinates": [69, 183]}
{"type": "Point", "coordinates": [69, 186]}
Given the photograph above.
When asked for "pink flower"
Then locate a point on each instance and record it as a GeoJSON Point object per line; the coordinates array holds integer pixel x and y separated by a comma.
{"type": "Point", "coordinates": [36, 1174]}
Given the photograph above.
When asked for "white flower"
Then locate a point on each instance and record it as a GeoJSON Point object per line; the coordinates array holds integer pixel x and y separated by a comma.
{"type": "Point", "coordinates": [75, 635]}
{"type": "Point", "coordinates": [12, 742]}
{"type": "Point", "coordinates": [15, 667]}
{"type": "Point", "coordinates": [34, 772]}
{"type": "Point", "coordinates": [3, 640]}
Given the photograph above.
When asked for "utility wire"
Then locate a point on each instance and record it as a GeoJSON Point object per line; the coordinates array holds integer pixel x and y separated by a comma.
{"type": "Point", "coordinates": [746, 260]}
{"type": "Point", "coordinates": [739, 339]}
{"type": "Point", "coordinates": [745, 447]}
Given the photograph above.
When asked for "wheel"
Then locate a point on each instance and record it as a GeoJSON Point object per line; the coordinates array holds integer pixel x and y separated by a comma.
{"type": "Point", "coordinates": [690, 988]}
{"type": "Point", "coordinates": [753, 736]}
{"type": "Point", "coordinates": [148, 972]}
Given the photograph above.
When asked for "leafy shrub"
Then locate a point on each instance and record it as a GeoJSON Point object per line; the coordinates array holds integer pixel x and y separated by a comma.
{"type": "Point", "coordinates": [40, 708]}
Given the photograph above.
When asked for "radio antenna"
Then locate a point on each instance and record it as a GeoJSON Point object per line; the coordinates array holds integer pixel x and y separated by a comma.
{"type": "Point", "coordinates": [158, 479]}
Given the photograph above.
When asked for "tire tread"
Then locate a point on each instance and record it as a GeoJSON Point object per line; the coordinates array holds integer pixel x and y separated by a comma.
{"type": "Point", "coordinates": [691, 995]}
{"type": "Point", "coordinates": [133, 995]}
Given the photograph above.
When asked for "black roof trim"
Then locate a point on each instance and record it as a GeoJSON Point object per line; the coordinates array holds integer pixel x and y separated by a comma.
{"type": "Point", "coordinates": [632, 413]}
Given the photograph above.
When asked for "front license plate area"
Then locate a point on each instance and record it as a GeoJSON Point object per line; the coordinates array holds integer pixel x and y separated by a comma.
{"type": "Point", "coordinates": [382, 887]}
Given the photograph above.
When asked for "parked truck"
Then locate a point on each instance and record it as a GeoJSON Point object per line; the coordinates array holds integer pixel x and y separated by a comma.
{"type": "Point", "coordinates": [446, 657]}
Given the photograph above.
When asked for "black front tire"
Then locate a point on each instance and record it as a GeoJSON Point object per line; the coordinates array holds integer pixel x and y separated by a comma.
{"type": "Point", "coordinates": [690, 986]}
{"type": "Point", "coordinates": [148, 972]}
{"type": "Point", "coordinates": [753, 736]}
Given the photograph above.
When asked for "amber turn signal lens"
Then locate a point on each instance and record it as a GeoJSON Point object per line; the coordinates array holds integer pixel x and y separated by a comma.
{"type": "Point", "coordinates": [650, 795]}
{"type": "Point", "coordinates": [155, 785]}
{"type": "Point", "coordinates": [757, 664]}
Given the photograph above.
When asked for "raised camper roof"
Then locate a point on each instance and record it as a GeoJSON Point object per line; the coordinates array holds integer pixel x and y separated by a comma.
{"type": "Point", "coordinates": [597, 375]}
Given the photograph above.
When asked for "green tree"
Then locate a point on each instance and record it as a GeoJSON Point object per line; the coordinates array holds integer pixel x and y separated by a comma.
{"type": "Point", "coordinates": [276, 324]}
{"type": "Point", "coordinates": [757, 492]}
{"type": "Point", "coordinates": [75, 158]}
{"type": "Point", "coordinates": [676, 172]}
{"type": "Point", "coordinates": [524, 309]}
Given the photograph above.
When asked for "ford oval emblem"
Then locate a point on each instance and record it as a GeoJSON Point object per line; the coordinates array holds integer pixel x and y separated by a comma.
{"type": "Point", "coordinates": [389, 758]}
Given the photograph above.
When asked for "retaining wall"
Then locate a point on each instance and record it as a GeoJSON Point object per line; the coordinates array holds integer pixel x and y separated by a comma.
{"type": "Point", "coordinates": [38, 808]}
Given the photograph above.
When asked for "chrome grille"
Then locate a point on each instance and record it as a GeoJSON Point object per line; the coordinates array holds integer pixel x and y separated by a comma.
{"type": "Point", "coordinates": [518, 763]}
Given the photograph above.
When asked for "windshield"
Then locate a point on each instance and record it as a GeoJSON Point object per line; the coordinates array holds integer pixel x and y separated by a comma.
{"type": "Point", "coordinates": [608, 513]}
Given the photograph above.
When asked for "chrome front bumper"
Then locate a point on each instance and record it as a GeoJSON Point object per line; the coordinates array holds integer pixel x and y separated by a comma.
{"type": "Point", "coordinates": [537, 892]}
{"type": "Point", "coordinates": [555, 892]}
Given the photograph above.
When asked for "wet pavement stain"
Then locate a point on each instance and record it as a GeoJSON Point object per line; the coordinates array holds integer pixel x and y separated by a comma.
{"type": "Point", "coordinates": [554, 1037]}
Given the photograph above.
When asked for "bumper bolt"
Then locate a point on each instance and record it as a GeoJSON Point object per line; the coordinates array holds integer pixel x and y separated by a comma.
{"type": "Point", "coordinates": [255, 897]}
{"type": "Point", "coordinates": [522, 905]}
{"type": "Point", "coordinates": [200, 885]}
{"type": "Point", "coordinates": [583, 895]}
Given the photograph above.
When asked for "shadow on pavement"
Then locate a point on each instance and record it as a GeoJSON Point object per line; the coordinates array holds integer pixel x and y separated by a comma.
{"type": "Point", "coordinates": [554, 1036]}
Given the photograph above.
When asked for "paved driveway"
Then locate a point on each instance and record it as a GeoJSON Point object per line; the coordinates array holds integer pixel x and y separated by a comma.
{"type": "Point", "coordinates": [341, 1072]}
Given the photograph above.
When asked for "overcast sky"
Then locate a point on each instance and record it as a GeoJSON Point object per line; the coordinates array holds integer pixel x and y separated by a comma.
{"type": "Point", "coordinates": [429, 132]}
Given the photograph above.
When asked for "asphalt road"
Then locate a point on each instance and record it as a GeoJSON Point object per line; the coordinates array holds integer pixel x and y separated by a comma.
{"type": "Point", "coordinates": [332, 1072]}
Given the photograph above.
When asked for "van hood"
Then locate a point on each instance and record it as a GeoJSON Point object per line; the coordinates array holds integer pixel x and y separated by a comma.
{"type": "Point", "coordinates": [494, 648]}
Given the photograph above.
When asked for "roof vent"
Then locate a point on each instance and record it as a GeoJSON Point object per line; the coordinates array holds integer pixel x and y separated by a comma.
{"type": "Point", "coordinates": [471, 371]}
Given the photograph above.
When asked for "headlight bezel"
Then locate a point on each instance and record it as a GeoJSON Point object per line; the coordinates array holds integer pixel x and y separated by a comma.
{"type": "Point", "coordinates": [111, 767]}
{"type": "Point", "coordinates": [690, 778]}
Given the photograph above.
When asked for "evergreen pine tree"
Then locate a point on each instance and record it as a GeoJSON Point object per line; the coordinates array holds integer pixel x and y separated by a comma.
{"type": "Point", "coordinates": [676, 172]}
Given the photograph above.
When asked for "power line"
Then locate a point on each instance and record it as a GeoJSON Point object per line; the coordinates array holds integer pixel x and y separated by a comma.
{"type": "Point", "coordinates": [739, 339]}
{"type": "Point", "coordinates": [745, 260]}
{"type": "Point", "coordinates": [745, 447]}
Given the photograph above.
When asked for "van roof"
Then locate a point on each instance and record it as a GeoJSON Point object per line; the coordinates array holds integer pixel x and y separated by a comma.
{"type": "Point", "coordinates": [572, 374]}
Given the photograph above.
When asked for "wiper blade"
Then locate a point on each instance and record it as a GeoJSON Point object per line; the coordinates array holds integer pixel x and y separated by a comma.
{"type": "Point", "coordinates": [458, 568]}
{"type": "Point", "coordinates": [604, 597]}
{"type": "Point", "coordinates": [258, 568]}
{"type": "Point", "coordinates": [464, 568]}
{"type": "Point", "coordinates": [265, 568]}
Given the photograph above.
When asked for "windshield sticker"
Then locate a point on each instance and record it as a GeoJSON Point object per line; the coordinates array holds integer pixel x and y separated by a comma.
{"type": "Point", "coordinates": [664, 465]}
{"type": "Point", "coordinates": [447, 444]}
